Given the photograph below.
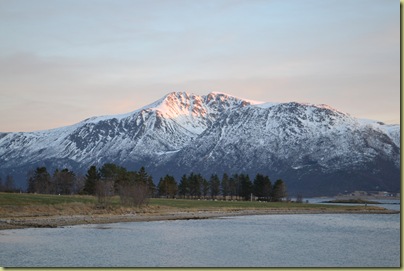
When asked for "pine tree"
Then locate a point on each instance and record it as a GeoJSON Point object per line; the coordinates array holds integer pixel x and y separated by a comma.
{"type": "Point", "coordinates": [68, 181]}
{"type": "Point", "coordinates": [145, 178]}
{"type": "Point", "coordinates": [245, 186]}
{"type": "Point", "coordinates": [194, 182]}
{"type": "Point", "coordinates": [214, 184]}
{"type": "Point", "coordinates": [40, 182]}
{"type": "Point", "coordinates": [262, 187]}
{"type": "Point", "coordinates": [279, 191]}
{"type": "Point", "coordinates": [267, 188]}
{"type": "Point", "coordinates": [167, 187]}
{"type": "Point", "coordinates": [225, 185]}
{"type": "Point", "coordinates": [91, 179]}
{"type": "Point", "coordinates": [204, 186]}
{"type": "Point", "coordinates": [234, 186]}
{"type": "Point", "coordinates": [162, 188]}
{"type": "Point", "coordinates": [183, 186]}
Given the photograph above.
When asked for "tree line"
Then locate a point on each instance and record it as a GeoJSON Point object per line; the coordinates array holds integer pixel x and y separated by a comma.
{"type": "Point", "coordinates": [235, 187]}
{"type": "Point", "coordinates": [135, 187]}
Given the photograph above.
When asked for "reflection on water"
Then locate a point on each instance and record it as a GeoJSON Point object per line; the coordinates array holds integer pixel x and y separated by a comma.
{"type": "Point", "coordinates": [317, 240]}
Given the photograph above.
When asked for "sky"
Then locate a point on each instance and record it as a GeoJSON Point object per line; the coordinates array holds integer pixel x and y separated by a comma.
{"type": "Point", "coordinates": [62, 61]}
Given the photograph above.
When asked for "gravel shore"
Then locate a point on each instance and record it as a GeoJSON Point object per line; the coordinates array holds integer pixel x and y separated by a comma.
{"type": "Point", "coordinates": [53, 221]}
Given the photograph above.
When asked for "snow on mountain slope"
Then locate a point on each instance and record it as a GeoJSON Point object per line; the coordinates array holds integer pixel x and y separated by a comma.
{"type": "Point", "coordinates": [296, 134]}
{"type": "Point", "coordinates": [216, 133]}
{"type": "Point", "coordinates": [163, 126]}
{"type": "Point", "coordinates": [300, 141]}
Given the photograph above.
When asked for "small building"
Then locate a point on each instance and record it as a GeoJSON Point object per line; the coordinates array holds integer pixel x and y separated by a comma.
{"type": "Point", "coordinates": [383, 194]}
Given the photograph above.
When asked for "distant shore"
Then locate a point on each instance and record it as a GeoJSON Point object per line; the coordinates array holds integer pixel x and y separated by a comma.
{"type": "Point", "coordinates": [53, 221]}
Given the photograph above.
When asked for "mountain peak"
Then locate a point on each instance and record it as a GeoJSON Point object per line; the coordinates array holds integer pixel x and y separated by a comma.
{"type": "Point", "coordinates": [310, 146]}
{"type": "Point", "coordinates": [178, 102]}
{"type": "Point", "coordinates": [199, 104]}
{"type": "Point", "coordinates": [323, 106]}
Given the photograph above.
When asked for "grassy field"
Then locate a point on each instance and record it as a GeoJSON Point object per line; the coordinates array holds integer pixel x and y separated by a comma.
{"type": "Point", "coordinates": [32, 200]}
{"type": "Point", "coordinates": [14, 199]}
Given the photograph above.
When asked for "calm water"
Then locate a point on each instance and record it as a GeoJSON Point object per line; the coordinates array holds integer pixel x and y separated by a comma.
{"type": "Point", "coordinates": [337, 240]}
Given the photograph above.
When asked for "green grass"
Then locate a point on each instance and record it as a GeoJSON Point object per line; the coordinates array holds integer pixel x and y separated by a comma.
{"type": "Point", "coordinates": [14, 199]}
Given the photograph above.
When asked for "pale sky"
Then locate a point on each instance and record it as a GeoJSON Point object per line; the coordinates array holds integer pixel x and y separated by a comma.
{"type": "Point", "coordinates": [62, 61]}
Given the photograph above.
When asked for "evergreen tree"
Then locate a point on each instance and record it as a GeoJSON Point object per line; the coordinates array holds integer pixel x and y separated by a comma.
{"type": "Point", "coordinates": [167, 187]}
{"type": "Point", "coordinates": [262, 187]}
{"type": "Point", "coordinates": [40, 182]}
{"type": "Point", "coordinates": [142, 175]}
{"type": "Point", "coordinates": [225, 185]}
{"type": "Point", "coordinates": [279, 191]}
{"type": "Point", "coordinates": [245, 187]}
{"type": "Point", "coordinates": [234, 186]}
{"type": "Point", "coordinates": [118, 175]}
{"type": "Point", "coordinates": [162, 188]}
{"type": "Point", "coordinates": [145, 178]}
{"type": "Point", "coordinates": [91, 179]}
{"type": "Point", "coordinates": [204, 186]}
{"type": "Point", "coordinates": [63, 182]}
{"type": "Point", "coordinates": [110, 171]}
{"type": "Point", "coordinates": [214, 184]}
{"type": "Point", "coordinates": [183, 186]}
{"type": "Point", "coordinates": [267, 188]}
{"type": "Point", "coordinates": [194, 183]}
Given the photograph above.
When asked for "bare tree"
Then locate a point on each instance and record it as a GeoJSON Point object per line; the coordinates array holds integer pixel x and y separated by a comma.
{"type": "Point", "coordinates": [125, 194]}
{"type": "Point", "coordinates": [134, 194]}
{"type": "Point", "coordinates": [140, 194]}
{"type": "Point", "coordinates": [104, 191]}
{"type": "Point", "coordinates": [78, 184]}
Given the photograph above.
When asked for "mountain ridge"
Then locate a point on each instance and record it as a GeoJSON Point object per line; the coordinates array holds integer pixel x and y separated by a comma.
{"type": "Point", "coordinates": [216, 133]}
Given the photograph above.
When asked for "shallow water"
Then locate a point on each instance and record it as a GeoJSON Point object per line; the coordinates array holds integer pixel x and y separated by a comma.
{"type": "Point", "coordinates": [308, 240]}
{"type": "Point", "coordinates": [392, 204]}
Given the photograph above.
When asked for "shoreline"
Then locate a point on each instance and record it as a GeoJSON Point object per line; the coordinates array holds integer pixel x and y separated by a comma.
{"type": "Point", "coordinates": [54, 221]}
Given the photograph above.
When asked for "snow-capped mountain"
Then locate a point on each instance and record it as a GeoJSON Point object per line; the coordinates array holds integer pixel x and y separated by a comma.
{"type": "Point", "coordinates": [315, 149]}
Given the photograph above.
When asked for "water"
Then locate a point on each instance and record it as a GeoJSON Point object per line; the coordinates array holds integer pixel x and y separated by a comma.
{"type": "Point", "coordinates": [318, 240]}
{"type": "Point", "coordinates": [392, 204]}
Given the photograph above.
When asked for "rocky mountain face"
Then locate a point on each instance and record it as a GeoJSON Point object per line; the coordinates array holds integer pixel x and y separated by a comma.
{"type": "Point", "coordinates": [315, 149]}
